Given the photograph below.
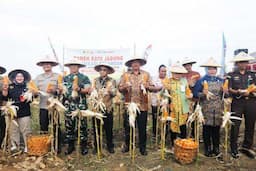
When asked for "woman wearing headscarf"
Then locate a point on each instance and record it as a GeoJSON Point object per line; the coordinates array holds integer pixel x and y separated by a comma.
{"type": "Point", "coordinates": [212, 106]}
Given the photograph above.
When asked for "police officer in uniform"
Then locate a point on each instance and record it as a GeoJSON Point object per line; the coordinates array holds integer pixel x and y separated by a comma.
{"type": "Point", "coordinates": [243, 103]}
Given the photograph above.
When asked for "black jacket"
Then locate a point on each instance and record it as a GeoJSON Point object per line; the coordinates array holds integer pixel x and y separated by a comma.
{"type": "Point", "coordinates": [14, 93]}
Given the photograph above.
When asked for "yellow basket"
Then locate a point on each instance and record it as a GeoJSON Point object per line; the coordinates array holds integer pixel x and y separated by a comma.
{"type": "Point", "coordinates": [38, 145]}
{"type": "Point", "coordinates": [185, 150]}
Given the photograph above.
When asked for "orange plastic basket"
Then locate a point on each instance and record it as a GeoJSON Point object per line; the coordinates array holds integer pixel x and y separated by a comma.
{"type": "Point", "coordinates": [38, 145]}
{"type": "Point", "coordinates": [185, 150]}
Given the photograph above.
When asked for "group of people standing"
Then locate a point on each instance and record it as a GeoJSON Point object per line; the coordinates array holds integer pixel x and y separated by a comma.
{"type": "Point", "coordinates": [136, 85]}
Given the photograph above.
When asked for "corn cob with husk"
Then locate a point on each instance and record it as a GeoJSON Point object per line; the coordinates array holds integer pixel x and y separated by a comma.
{"type": "Point", "coordinates": [49, 87]}
{"type": "Point", "coordinates": [55, 104]}
{"type": "Point", "coordinates": [225, 88]}
{"type": "Point", "coordinates": [195, 77]}
{"type": "Point", "coordinates": [10, 112]}
{"type": "Point", "coordinates": [227, 117]}
{"type": "Point", "coordinates": [209, 94]}
{"type": "Point", "coordinates": [5, 80]}
{"type": "Point", "coordinates": [166, 82]}
{"type": "Point", "coordinates": [251, 88]}
{"type": "Point", "coordinates": [198, 118]}
{"type": "Point", "coordinates": [97, 108]}
{"type": "Point", "coordinates": [55, 108]}
{"type": "Point", "coordinates": [74, 86]}
{"type": "Point", "coordinates": [226, 122]}
{"type": "Point", "coordinates": [88, 113]}
{"type": "Point", "coordinates": [132, 109]}
{"type": "Point", "coordinates": [60, 81]}
{"type": "Point", "coordinates": [28, 95]}
{"type": "Point", "coordinates": [188, 92]}
{"type": "Point", "coordinates": [145, 80]}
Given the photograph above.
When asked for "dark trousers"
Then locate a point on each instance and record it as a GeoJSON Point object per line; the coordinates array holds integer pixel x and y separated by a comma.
{"type": "Point", "coordinates": [142, 126]}
{"type": "Point", "coordinates": [246, 107]}
{"type": "Point", "coordinates": [44, 123]}
{"type": "Point", "coordinates": [211, 136]}
{"type": "Point", "coordinates": [44, 120]}
{"type": "Point", "coordinates": [108, 127]}
{"type": "Point", "coordinates": [182, 134]}
{"type": "Point", "coordinates": [154, 120]}
{"type": "Point", "coordinates": [2, 129]}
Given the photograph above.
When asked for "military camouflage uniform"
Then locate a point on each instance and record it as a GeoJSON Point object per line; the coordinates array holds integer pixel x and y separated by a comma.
{"type": "Point", "coordinates": [73, 104]}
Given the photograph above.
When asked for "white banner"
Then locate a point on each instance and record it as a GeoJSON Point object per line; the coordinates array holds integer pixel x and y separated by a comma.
{"type": "Point", "coordinates": [91, 57]}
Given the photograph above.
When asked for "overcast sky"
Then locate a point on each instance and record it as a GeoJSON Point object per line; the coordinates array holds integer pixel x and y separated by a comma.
{"type": "Point", "coordinates": [175, 28]}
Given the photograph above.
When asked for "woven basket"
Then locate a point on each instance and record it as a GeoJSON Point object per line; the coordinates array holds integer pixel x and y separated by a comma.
{"type": "Point", "coordinates": [38, 145]}
{"type": "Point", "coordinates": [183, 154]}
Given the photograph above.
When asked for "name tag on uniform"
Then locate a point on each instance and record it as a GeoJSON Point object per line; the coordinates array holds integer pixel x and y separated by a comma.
{"type": "Point", "coordinates": [182, 88]}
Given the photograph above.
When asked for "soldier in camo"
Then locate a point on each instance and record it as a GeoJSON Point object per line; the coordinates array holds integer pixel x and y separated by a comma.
{"type": "Point", "coordinates": [73, 103]}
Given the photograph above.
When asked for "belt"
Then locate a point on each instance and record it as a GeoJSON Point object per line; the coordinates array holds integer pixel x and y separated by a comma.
{"type": "Point", "coordinates": [244, 98]}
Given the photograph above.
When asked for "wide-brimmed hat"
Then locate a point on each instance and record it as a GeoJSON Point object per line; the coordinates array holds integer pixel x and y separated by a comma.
{"type": "Point", "coordinates": [2, 70]}
{"type": "Point", "coordinates": [178, 68]}
{"type": "Point", "coordinates": [74, 62]}
{"type": "Point", "coordinates": [142, 61]}
{"type": "Point", "coordinates": [110, 68]}
{"type": "Point", "coordinates": [47, 59]}
{"type": "Point", "coordinates": [242, 57]}
{"type": "Point", "coordinates": [13, 74]}
{"type": "Point", "coordinates": [188, 60]}
{"type": "Point", "coordinates": [211, 62]}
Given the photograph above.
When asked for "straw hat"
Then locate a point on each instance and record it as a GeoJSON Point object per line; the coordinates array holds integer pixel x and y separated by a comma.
{"type": "Point", "coordinates": [74, 62]}
{"type": "Point", "coordinates": [2, 70]}
{"type": "Point", "coordinates": [178, 68]}
{"type": "Point", "coordinates": [188, 60]}
{"type": "Point", "coordinates": [142, 61]}
{"type": "Point", "coordinates": [242, 56]}
{"type": "Point", "coordinates": [47, 59]}
{"type": "Point", "coordinates": [211, 62]}
{"type": "Point", "coordinates": [13, 74]}
{"type": "Point", "coordinates": [110, 68]}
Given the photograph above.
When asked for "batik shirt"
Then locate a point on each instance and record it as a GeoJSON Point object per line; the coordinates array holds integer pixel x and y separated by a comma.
{"type": "Point", "coordinates": [135, 94]}
{"type": "Point", "coordinates": [106, 88]}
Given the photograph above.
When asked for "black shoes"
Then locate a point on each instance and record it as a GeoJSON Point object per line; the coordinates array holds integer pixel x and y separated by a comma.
{"type": "Point", "coordinates": [71, 148]}
{"type": "Point", "coordinates": [111, 150]}
{"type": "Point", "coordinates": [143, 152]}
{"type": "Point", "coordinates": [216, 151]}
{"type": "Point", "coordinates": [248, 152]}
{"type": "Point", "coordinates": [125, 149]}
{"type": "Point", "coordinates": [84, 151]}
{"type": "Point", "coordinates": [208, 152]}
{"type": "Point", "coordinates": [235, 154]}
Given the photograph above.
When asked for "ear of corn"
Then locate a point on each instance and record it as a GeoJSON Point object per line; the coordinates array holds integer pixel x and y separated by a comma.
{"type": "Point", "coordinates": [188, 91]}
{"type": "Point", "coordinates": [49, 86]}
{"type": "Point", "coordinates": [126, 77]}
{"type": "Point", "coordinates": [5, 80]}
{"type": "Point", "coordinates": [60, 79]}
{"type": "Point", "coordinates": [205, 85]}
{"type": "Point", "coordinates": [225, 85]}
{"type": "Point", "coordinates": [194, 77]}
{"type": "Point", "coordinates": [32, 86]}
{"type": "Point", "coordinates": [251, 88]}
{"type": "Point", "coordinates": [75, 81]}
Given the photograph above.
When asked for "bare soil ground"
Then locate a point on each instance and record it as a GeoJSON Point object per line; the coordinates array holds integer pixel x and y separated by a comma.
{"type": "Point", "coordinates": [120, 161]}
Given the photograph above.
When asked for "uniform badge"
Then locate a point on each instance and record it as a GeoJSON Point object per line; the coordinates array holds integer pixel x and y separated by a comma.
{"type": "Point", "coordinates": [236, 78]}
